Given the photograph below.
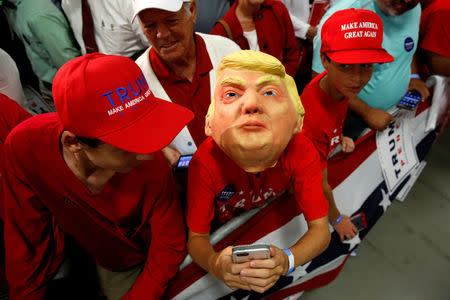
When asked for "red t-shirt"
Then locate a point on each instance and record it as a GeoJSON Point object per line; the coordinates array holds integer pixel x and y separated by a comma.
{"type": "Point", "coordinates": [195, 95]}
{"type": "Point", "coordinates": [219, 188]}
{"type": "Point", "coordinates": [274, 30]}
{"type": "Point", "coordinates": [135, 219]}
{"type": "Point", "coordinates": [435, 28]}
{"type": "Point", "coordinates": [324, 118]}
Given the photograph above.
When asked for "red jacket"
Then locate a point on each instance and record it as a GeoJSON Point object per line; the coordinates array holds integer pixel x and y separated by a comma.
{"type": "Point", "coordinates": [274, 30]}
{"type": "Point", "coordinates": [135, 219]}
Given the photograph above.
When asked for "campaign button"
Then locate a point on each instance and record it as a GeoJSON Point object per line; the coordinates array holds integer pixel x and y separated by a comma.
{"type": "Point", "coordinates": [409, 44]}
{"type": "Point", "coordinates": [227, 193]}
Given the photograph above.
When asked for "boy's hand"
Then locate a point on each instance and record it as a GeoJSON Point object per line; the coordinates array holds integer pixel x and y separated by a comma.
{"type": "Point", "coordinates": [222, 267]}
{"type": "Point", "coordinates": [347, 144]}
{"type": "Point", "coordinates": [345, 228]}
{"type": "Point", "coordinates": [172, 155]}
{"type": "Point", "coordinates": [263, 274]}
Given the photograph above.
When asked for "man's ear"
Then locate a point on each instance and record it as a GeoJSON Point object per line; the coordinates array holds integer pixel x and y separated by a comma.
{"type": "Point", "coordinates": [208, 130]}
{"type": "Point", "coordinates": [193, 9]}
{"type": "Point", "coordinates": [70, 141]}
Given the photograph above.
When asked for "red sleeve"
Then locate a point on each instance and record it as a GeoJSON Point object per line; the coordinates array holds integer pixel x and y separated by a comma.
{"type": "Point", "coordinates": [308, 179]}
{"type": "Point", "coordinates": [291, 52]}
{"type": "Point", "coordinates": [436, 36]}
{"type": "Point", "coordinates": [167, 246]}
{"type": "Point", "coordinates": [200, 199]}
{"type": "Point", "coordinates": [321, 146]}
{"type": "Point", "coordinates": [33, 242]}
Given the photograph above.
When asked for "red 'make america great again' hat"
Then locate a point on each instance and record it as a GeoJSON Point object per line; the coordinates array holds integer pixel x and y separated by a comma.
{"type": "Point", "coordinates": [106, 97]}
{"type": "Point", "coordinates": [354, 36]}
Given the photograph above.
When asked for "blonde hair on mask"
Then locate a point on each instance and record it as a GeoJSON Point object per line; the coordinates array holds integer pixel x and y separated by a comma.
{"type": "Point", "coordinates": [251, 60]}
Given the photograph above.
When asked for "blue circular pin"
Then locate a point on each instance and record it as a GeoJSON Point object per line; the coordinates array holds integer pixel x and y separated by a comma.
{"type": "Point", "coordinates": [409, 44]}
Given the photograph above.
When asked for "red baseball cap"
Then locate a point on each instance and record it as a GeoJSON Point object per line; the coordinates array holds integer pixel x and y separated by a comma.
{"type": "Point", "coordinates": [354, 36]}
{"type": "Point", "coordinates": [106, 97]}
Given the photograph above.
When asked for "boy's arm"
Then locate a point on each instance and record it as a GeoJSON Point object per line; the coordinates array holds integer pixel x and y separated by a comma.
{"type": "Point", "coordinates": [167, 245]}
{"type": "Point", "coordinates": [304, 160]}
{"type": "Point", "coordinates": [313, 242]}
{"type": "Point", "coordinates": [199, 213]}
{"type": "Point", "coordinates": [263, 274]}
{"type": "Point", "coordinates": [218, 264]}
{"type": "Point", "coordinates": [376, 118]}
{"type": "Point", "coordinates": [341, 223]}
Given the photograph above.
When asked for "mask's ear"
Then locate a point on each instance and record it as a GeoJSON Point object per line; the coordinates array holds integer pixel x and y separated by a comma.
{"type": "Point", "coordinates": [208, 130]}
{"type": "Point", "coordinates": [70, 141]}
{"type": "Point", "coordinates": [298, 126]}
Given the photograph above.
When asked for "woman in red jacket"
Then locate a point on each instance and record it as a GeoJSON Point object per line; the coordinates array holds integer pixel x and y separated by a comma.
{"type": "Point", "coordinates": [262, 25]}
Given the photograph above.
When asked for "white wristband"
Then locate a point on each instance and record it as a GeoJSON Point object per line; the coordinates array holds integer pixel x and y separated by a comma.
{"type": "Point", "coordinates": [291, 260]}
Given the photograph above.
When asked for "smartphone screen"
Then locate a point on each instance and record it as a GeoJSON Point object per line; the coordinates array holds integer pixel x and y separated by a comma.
{"type": "Point", "coordinates": [184, 160]}
{"type": "Point", "coordinates": [410, 100]}
{"type": "Point", "coordinates": [359, 220]}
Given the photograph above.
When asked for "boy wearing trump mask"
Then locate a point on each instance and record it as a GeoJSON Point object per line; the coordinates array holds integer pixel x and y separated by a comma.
{"type": "Point", "coordinates": [254, 153]}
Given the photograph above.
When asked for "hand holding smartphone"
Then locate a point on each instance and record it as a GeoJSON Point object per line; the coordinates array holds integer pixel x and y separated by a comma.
{"type": "Point", "coordinates": [359, 220]}
{"type": "Point", "coordinates": [183, 161]}
{"type": "Point", "coordinates": [244, 253]}
{"type": "Point", "coordinates": [410, 100]}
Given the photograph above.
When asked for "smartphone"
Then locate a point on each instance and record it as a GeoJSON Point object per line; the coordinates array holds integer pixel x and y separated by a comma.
{"type": "Point", "coordinates": [410, 100]}
{"type": "Point", "coordinates": [183, 161]}
{"type": "Point", "coordinates": [359, 220]}
{"type": "Point", "coordinates": [244, 253]}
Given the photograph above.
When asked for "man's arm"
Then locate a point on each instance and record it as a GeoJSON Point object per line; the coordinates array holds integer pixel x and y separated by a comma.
{"type": "Point", "coordinates": [341, 223]}
{"type": "Point", "coordinates": [56, 38]}
{"type": "Point", "coordinates": [438, 64]}
{"type": "Point", "coordinates": [291, 52]}
{"type": "Point", "coordinates": [167, 244]}
{"type": "Point", "coordinates": [376, 118]}
{"type": "Point", "coordinates": [417, 83]}
{"type": "Point", "coordinates": [33, 241]}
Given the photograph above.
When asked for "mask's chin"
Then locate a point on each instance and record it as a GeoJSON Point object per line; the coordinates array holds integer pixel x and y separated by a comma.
{"type": "Point", "coordinates": [252, 153]}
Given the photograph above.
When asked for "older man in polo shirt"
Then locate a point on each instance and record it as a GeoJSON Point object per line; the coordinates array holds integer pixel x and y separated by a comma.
{"type": "Point", "coordinates": [180, 66]}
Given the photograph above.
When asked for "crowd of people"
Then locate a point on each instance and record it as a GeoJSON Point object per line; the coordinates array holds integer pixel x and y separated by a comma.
{"type": "Point", "coordinates": [132, 86]}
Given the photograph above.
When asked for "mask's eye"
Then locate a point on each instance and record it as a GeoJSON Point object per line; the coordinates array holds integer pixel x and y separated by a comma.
{"type": "Point", "coordinates": [231, 95]}
{"type": "Point", "coordinates": [270, 93]}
